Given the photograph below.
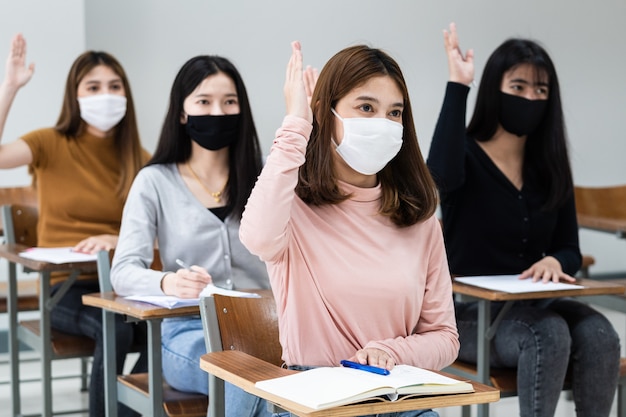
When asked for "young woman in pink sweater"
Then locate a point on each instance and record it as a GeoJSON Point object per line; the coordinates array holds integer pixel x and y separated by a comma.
{"type": "Point", "coordinates": [343, 216]}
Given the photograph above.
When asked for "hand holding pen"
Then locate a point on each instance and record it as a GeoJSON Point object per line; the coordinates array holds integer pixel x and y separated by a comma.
{"type": "Point", "coordinates": [186, 282]}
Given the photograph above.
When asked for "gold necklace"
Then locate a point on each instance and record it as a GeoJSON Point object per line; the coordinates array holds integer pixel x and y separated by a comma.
{"type": "Point", "coordinates": [217, 195]}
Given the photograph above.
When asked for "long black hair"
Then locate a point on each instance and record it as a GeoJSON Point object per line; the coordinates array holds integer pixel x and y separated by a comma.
{"type": "Point", "coordinates": [175, 144]}
{"type": "Point", "coordinates": [546, 160]}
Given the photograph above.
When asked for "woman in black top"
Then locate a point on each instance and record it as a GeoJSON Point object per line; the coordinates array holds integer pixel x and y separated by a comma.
{"type": "Point", "coordinates": [507, 205]}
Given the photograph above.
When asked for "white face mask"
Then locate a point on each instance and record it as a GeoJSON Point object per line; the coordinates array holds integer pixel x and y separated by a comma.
{"type": "Point", "coordinates": [369, 143]}
{"type": "Point", "coordinates": [102, 111]}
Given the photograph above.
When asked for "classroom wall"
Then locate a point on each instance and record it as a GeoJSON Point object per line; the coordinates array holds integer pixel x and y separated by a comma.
{"type": "Point", "coordinates": [153, 38]}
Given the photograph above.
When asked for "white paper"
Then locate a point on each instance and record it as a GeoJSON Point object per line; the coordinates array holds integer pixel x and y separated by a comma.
{"type": "Point", "coordinates": [512, 284]}
{"type": "Point", "coordinates": [57, 255]}
{"type": "Point", "coordinates": [169, 301]}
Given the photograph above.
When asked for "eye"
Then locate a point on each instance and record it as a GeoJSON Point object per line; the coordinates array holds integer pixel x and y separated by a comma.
{"type": "Point", "coordinates": [92, 88]}
{"type": "Point", "coordinates": [204, 102]}
{"type": "Point", "coordinates": [395, 113]}
{"type": "Point", "coordinates": [366, 108]}
{"type": "Point", "coordinates": [116, 87]}
{"type": "Point", "coordinates": [231, 102]}
{"type": "Point", "coordinates": [542, 91]}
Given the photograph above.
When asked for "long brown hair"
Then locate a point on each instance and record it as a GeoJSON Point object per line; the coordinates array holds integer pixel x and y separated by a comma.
{"type": "Point", "coordinates": [409, 194]}
{"type": "Point", "coordinates": [126, 132]}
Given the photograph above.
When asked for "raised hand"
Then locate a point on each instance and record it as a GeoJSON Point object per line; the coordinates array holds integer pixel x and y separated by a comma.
{"type": "Point", "coordinates": [294, 89]}
{"type": "Point", "coordinates": [17, 73]}
{"type": "Point", "coordinates": [461, 67]}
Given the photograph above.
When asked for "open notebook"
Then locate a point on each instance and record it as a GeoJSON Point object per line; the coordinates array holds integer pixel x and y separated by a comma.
{"type": "Point", "coordinates": [326, 387]}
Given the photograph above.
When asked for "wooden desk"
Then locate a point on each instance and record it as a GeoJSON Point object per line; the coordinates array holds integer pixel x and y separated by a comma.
{"type": "Point", "coordinates": [603, 224]}
{"type": "Point", "coordinates": [244, 371]}
{"type": "Point", "coordinates": [41, 342]}
{"type": "Point", "coordinates": [487, 328]}
{"type": "Point", "coordinates": [153, 315]}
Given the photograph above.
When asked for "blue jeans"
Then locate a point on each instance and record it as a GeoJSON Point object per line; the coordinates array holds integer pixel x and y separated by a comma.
{"type": "Point", "coordinates": [542, 338]}
{"type": "Point", "coordinates": [70, 315]}
{"type": "Point", "coordinates": [183, 344]}
{"type": "Point", "coordinates": [412, 413]}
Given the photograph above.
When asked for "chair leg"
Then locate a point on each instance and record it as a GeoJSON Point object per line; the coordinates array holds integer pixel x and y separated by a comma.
{"type": "Point", "coordinates": [84, 374]}
{"type": "Point", "coordinates": [621, 398]}
{"type": "Point", "coordinates": [466, 411]}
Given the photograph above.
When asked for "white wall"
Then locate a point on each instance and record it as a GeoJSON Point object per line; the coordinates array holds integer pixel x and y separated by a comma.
{"type": "Point", "coordinates": [153, 38]}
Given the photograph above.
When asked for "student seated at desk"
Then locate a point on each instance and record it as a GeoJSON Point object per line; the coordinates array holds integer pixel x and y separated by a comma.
{"type": "Point", "coordinates": [508, 208]}
{"type": "Point", "coordinates": [189, 199]}
{"type": "Point", "coordinates": [93, 153]}
{"type": "Point", "coordinates": [343, 216]}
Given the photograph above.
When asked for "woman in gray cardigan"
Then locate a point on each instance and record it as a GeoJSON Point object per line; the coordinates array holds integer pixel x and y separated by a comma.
{"type": "Point", "coordinates": [188, 200]}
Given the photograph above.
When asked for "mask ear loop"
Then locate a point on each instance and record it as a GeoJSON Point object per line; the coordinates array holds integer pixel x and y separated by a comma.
{"type": "Point", "coordinates": [340, 118]}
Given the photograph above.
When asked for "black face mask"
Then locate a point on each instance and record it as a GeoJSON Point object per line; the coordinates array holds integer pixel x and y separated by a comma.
{"type": "Point", "coordinates": [213, 132]}
{"type": "Point", "coordinates": [519, 115]}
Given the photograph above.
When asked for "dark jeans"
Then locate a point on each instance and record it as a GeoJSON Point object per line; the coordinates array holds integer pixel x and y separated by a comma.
{"type": "Point", "coordinates": [71, 316]}
{"type": "Point", "coordinates": [541, 338]}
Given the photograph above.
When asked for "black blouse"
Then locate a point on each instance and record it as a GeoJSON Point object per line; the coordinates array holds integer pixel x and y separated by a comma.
{"type": "Point", "coordinates": [491, 227]}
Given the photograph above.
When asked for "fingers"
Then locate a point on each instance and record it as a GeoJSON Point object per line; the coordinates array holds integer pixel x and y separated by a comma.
{"type": "Point", "coordinates": [310, 77]}
{"type": "Point", "coordinates": [374, 357]}
{"type": "Point", "coordinates": [545, 275]}
{"type": "Point", "coordinates": [294, 89]}
{"type": "Point", "coordinates": [92, 246]}
{"type": "Point", "coordinates": [190, 282]}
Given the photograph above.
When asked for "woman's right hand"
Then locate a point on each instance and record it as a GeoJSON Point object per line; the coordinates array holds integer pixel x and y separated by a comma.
{"type": "Point", "coordinates": [295, 92]}
{"type": "Point", "coordinates": [186, 283]}
{"type": "Point", "coordinates": [461, 67]}
{"type": "Point", "coordinates": [17, 74]}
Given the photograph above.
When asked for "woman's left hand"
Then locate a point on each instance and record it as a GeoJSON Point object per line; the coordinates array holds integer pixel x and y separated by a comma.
{"type": "Point", "coordinates": [94, 244]}
{"type": "Point", "coordinates": [295, 89]}
{"type": "Point", "coordinates": [374, 357]}
{"type": "Point", "coordinates": [546, 270]}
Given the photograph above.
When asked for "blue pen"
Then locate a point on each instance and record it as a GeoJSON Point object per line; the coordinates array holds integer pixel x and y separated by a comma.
{"type": "Point", "coordinates": [367, 368]}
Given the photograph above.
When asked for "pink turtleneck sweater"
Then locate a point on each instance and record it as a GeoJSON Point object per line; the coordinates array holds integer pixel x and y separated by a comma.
{"type": "Point", "coordinates": [345, 277]}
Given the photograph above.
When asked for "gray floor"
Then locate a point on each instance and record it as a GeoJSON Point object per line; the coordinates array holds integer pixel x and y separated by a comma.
{"type": "Point", "coordinates": [67, 395]}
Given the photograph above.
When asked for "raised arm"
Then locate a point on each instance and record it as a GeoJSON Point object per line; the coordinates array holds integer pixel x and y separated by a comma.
{"type": "Point", "coordinates": [17, 74]}
{"type": "Point", "coordinates": [265, 222]}
{"type": "Point", "coordinates": [446, 158]}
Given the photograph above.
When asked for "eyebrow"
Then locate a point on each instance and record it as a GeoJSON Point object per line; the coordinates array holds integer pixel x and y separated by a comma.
{"type": "Point", "coordinates": [211, 95]}
{"type": "Point", "coordinates": [523, 81]}
{"type": "Point", "coordinates": [117, 80]}
{"type": "Point", "coordinates": [375, 100]}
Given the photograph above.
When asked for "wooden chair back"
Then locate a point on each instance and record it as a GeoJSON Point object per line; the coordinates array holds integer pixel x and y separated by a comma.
{"type": "Point", "coordinates": [17, 195]}
{"type": "Point", "coordinates": [20, 223]}
{"type": "Point", "coordinates": [249, 325]}
{"type": "Point", "coordinates": [608, 202]}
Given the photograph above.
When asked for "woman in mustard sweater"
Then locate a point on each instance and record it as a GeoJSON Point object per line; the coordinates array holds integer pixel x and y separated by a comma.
{"type": "Point", "coordinates": [93, 153]}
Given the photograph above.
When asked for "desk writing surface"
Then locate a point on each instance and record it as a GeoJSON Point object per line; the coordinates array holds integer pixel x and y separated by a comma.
{"type": "Point", "coordinates": [137, 309]}
{"type": "Point", "coordinates": [11, 253]}
{"type": "Point", "coordinates": [589, 287]}
{"type": "Point", "coordinates": [604, 224]}
{"type": "Point", "coordinates": [244, 371]}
